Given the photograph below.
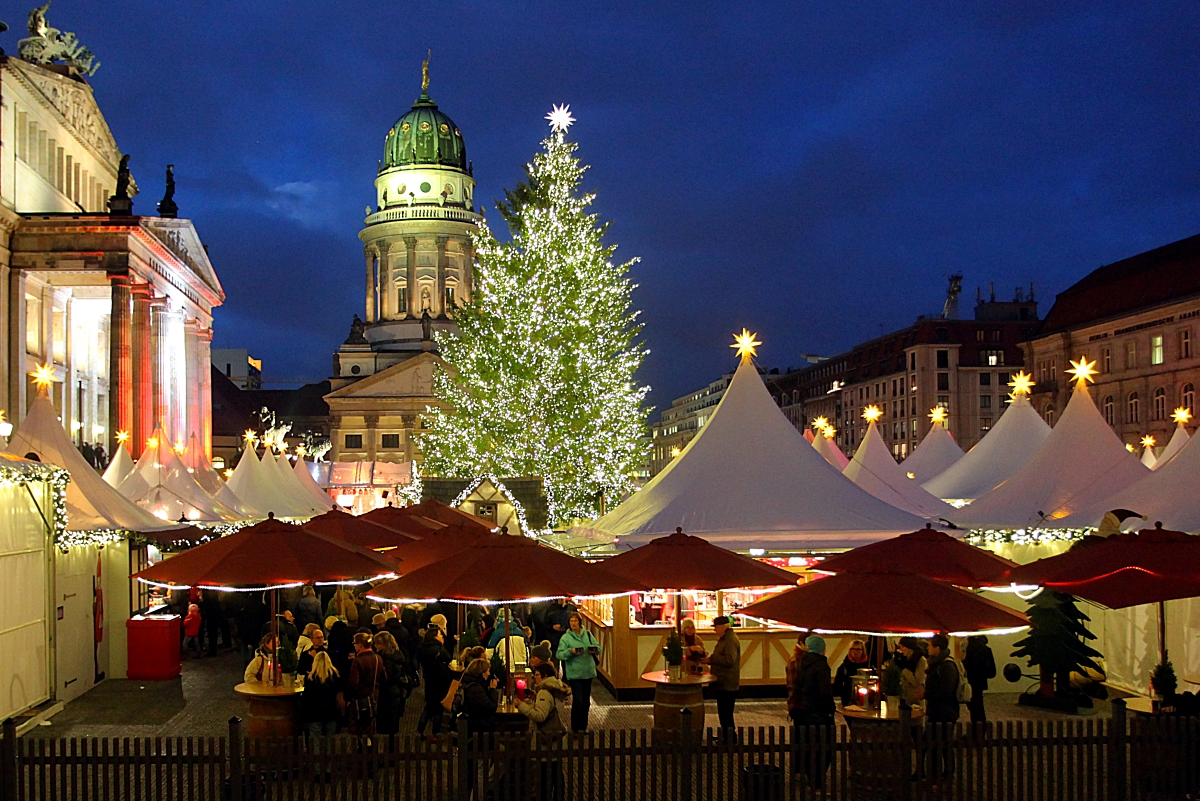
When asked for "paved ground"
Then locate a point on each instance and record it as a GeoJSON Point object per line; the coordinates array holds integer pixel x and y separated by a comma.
{"type": "Point", "coordinates": [201, 702]}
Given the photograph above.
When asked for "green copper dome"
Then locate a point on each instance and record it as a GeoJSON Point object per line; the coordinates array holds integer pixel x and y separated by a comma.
{"type": "Point", "coordinates": [425, 136]}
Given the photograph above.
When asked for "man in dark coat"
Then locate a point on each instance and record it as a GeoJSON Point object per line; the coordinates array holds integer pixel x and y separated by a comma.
{"type": "Point", "coordinates": [810, 704]}
{"type": "Point", "coordinates": [941, 703]}
{"type": "Point", "coordinates": [980, 665]}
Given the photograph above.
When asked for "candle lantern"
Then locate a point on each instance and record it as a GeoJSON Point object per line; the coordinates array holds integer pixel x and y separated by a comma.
{"type": "Point", "coordinates": [865, 687]}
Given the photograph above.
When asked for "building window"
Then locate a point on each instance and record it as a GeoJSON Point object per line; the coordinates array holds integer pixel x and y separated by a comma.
{"type": "Point", "coordinates": [979, 335]}
{"type": "Point", "coordinates": [354, 442]}
{"type": "Point", "coordinates": [943, 382]}
{"type": "Point", "coordinates": [985, 424]}
{"type": "Point", "coordinates": [914, 429]}
{"type": "Point", "coordinates": [486, 510]}
{"type": "Point", "coordinates": [912, 361]}
{"type": "Point", "coordinates": [1049, 416]}
{"type": "Point", "coordinates": [1133, 409]}
{"type": "Point", "coordinates": [449, 297]}
{"type": "Point", "coordinates": [1130, 355]}
{"type": "Point", "coordinates": [995, 334]}
{"type": "Point", "coordinates": [1004, 379]}
{"type": "Point", "coordinates": [1110, 414]}
{"type": "Point", "coordinates": [402, 301]}
{"type": "Point", "coordinates": [912, 382]}
{"type": "Point", "coordinates": [1156, 349]}
{"type": "Point", "coordinates": [944, 401]}
{"type": "Point", "coordinates": [1189, 397]}
{"type": "Point", "coordinates": [1185, 344]}
{"type": "Point", "coordinates": [985, 401]}
{"type": "Point", "coordinates": [985, 379]}
{"type": "Point", "coordinates": [1160, 404]}
{"type": "Point", "coordinates": [992, 358]}
{"type": "Point", "coordinates": [391, 441]}
{"type": "Point", "coordinates": [1106, 358]}
{"type": "Point", "coordinates": [943, 359]}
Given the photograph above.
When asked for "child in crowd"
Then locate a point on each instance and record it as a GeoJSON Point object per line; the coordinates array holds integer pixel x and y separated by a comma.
{"type": "Point", "coordinates": [191, 629]}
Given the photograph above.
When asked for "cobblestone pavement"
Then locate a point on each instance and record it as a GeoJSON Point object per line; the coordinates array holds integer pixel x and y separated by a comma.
{"type": "Point", "coordinates": [201, 702]}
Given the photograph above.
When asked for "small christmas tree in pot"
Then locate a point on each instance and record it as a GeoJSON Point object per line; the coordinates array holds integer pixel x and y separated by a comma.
{"type": "Point", "coordinates": [889, 685]}
{"type": "Point", "coordinates": [673, 653]}
{"type": "Point", "coordinates": [1163, 684]}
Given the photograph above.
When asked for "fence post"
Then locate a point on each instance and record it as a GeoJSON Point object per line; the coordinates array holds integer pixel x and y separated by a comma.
{"type": "Point", "coordinates": [465, 763]}
{"type": "Point", "coordinates": [686, 749]}
{"type": "Point", "coordinates": [235, 759]}
{"type": "Point", "coordinates": [906, 749]}
{"type": "Point", "coordinates": [9, 768]}
{"type": "Point", "coordinates": [1117, 760]}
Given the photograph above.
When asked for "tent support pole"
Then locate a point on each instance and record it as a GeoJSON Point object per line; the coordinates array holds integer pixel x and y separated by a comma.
{"type": "Point", "coordinates": [274, 636]}
{"type": "Point", "coordinates": [1162, 632]}
{"type": "Point", "coordinates": [720, 603]}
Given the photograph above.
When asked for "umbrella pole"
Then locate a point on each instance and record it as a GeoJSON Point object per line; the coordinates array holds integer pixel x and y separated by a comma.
{"type": "Point", "coordinates": [274, 635]}
{"type": "Point", "coordinates": [720, 603]}
{"type": "Point", "coordinates": [1162, 632]}
{"type": "Point", "coordinates": [679, 613]}
{"type": "Point", "coordinates": [509, 680]}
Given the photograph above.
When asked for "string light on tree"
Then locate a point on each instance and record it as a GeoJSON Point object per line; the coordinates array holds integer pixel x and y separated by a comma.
{"type": "Point", "coordinates": [1182, 415]}
{"type": "Point", "coordinates": [1082, 371]}
{"type": "Point", "coordinates": [745, 344]}
{"type": "Point", "coordinates": [938, 414]}
{"type": "Point", "coordinates": [872, 413]}
{"type": "Point", "coordinates": [1022, 384]}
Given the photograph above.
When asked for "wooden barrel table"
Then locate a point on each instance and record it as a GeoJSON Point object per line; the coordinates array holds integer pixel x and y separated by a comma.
{"type": "Point", "coordinates": [272, 710]}
{"type": "Point", "coordinates": [672, 696]}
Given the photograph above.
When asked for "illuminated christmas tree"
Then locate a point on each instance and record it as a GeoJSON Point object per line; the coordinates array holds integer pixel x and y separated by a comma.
{"type": "Point", "coordinates": [541, 370]}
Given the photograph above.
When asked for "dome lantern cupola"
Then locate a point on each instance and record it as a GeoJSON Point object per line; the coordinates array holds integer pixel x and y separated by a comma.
{"type": "Point", "coordinates": [425, 136]}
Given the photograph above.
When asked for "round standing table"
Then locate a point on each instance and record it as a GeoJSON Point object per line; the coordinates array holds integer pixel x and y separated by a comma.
{"type": "Point", "coordinates": [672, 696]}
{"type": "Point", "coordinates": [272, 709]}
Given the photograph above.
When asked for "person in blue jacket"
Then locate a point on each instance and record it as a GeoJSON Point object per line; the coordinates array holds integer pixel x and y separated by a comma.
{"type": "Point", "coordinates": [578, 653]}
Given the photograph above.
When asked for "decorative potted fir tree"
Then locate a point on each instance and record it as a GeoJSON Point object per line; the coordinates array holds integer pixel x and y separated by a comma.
{"type": "Point", "coordinates": [288, 660]}
{"type": "Point", "coordinates": [1163, 683]}
{"type": "Point", "coordinates": [889, 685]}
{"type": "Point", "coordinates": [673, 653]}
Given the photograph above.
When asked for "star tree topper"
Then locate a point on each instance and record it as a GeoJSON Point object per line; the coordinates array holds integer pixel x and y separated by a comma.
{"type": "Point", "coordinates": [745, 344]}
{"type": "Point", "coordinates": [560, 119]}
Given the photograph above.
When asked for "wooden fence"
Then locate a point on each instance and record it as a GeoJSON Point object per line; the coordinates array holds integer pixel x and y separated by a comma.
{"type": "Point", "coordinates": [1109, 760]}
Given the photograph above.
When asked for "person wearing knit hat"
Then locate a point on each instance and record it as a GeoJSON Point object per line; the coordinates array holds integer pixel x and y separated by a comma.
{"type": "Point", "coordinates": [815, 644]}
{"type": "Point", "coordinates": [439, 621]}
{"type": "Point", "coordinates": [810, 703]}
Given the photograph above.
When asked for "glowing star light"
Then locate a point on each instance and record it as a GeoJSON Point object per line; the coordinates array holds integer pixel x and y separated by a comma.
{"type": "Point", "coordinates": [938, 414]}
{"type": "Point", "coordinates": [1082, 371]}
{"type": "Point", "coordinates": [871, 413]}
{"type": "Point", "coordinates": [1182, 415]}
{"type": "Point", "coordinates": [1022, 384]}
{"type": "Point", "coordinates": [560, 118]}
{"type": "Point", "coordinates": [250, 437]}
{"type": "Point", "coordinates": [1148, 441]}
{"type": "Point", "coordinates": [829, 431]}
{"type": "Point", "coordinates": [1129, 447]}
{"type": "Point", "coordinates": [43, 377]}
{"type": "Point", "coordinates": [745, 344]}
{"type": "Point", "coordinates": [675, 451]}
{"type": "Point", "coordinates": [122, 437]}
{"type": "Point", "coordinates": [820, 423]}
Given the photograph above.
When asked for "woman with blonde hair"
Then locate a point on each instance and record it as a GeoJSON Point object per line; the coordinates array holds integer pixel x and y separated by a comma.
{"type": "Point", "coordinates": [393, 687]}
{"type": "Point", "coordinates": [318, 702]}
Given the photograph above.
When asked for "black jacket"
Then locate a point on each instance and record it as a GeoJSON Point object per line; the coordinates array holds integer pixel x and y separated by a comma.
{"type": "Point", "coordinates": [479, 704]}
{"type": "Point", "coordinates": [841, 681]}
{"type": "Point", "coordinates": [318, 702]}
{"type": "Point", "coordinates": [395, 685]}
{"type": "Point", "coordinates": [980, 665]}
{"type": "Point", "coordinates": [941, 690]}
{"type": "Point", "coordinates": [435, 668]}
{"type": "Point", "coordinates": [813, 692]}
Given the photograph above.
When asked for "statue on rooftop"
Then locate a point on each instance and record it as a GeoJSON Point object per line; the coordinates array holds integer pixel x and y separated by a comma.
{"type": "Point", "coordinates": [120, 204]}
{"type": "Point", "coordinates": [46, 45]}
{"type": "Point", "coordinates": [167, 206]}
{"type": "Point", "coordinates": [358, 332]}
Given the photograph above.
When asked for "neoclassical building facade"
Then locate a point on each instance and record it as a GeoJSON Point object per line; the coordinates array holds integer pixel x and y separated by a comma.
{"type": "Point", "coordinates": [418, 253]}
{"type": "Point", "coordinates": [118, 305]}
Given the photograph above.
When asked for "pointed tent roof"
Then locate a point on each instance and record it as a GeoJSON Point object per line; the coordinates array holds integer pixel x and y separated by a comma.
{"type": "Point", "coordinates": [1016, 437]}
{"type": "Point", "coordinates": [809, 435]}
{"type": "Point", "coordinates": [937, 452]}
{"type": "Point", "coordinates": [252, 482]}
{"type": "Point", "coordinates": [832, 453]}
{"type": "Point", "coordinates": [197, 464]}
{"type": "Point", "coordinates": [280, 471]}
{"type": "Point", "coordinates": [1148, 458]}
{"type": "Point", "coordinates": [1082, 462]}
{"type": "Point", "coordinates": [161, 484]}
{"type": "Point", "coordinates": [750, 479]}
{"type": "Point", "coordinates": [874, 469]}
{"type": "Point", "coordinates": [1178, 440]}
{"type": "Point", "coordinates": [120, 467]}
{"type": "Point", "coordinates": [310, 486]}
{"type": "Point", "coordinates": [91, 502]}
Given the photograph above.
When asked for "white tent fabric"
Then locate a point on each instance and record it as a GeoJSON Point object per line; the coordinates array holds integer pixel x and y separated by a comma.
{"type": "Point", "coordinates": [285, 480]}
{"type": "Point", "coordinates": [1016, 437]}
{"type": "Point", "coordinates": [933, 456]}
{"type": "Point", "coordinates": [251, 482]}
{"type": "Point", "coordinates": [310, 486]}
{"type": "Point", "coordinates": [874, 469]}
{"type": "Point", "coordinates": [207, 477]}
{"type": "Point", "coordinates": [1080, 464]}
{"type": "Point", "coordinates": [1170, 495]}
{"type": "Point", "coordinates": [1148, 457]}
{"type": "Point", "coordinates": [92, 504]}
{"type": "Point", "coordinates": [832, 453]}
{"type": "Point", "coordinates": [161, 484]}
{"type": "Point", "coordinates": [119, 467]}
{"type": "Point", "coordinates": [1178, 440]}
{"type": "Point", "coordinates": [749, 479]}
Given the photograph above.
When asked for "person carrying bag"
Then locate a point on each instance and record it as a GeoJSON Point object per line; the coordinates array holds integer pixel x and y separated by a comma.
{"type": "Point", "coordinates": [362, 689]}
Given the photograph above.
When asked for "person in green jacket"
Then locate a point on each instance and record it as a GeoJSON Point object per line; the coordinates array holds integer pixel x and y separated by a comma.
{"type": "Point", "coordinates": [575, 653]}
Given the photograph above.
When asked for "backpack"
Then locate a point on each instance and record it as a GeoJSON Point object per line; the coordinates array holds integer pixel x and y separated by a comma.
{"type": "Point", "coordinates": [962, 693]}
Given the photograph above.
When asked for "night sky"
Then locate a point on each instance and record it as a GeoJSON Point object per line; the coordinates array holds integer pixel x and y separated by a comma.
{"type": "Point", "coordinates": [813, 171]}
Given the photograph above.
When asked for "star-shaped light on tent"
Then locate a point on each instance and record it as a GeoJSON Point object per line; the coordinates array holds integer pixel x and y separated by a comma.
{"type": "Point", "coordinates": [1082, 371]}
{"type": "Point", "coordinates": [745, 344]}
{"type": "Point", "coordinates": [301, 451]}
{"type": "Point", "coordinates": [152, 442]}
{"type": "Point", "coordinates": [1148, 441]}
{"type": "Point", "coordinates": [829, 431]}
{"type": "Point", "coordinates": [1182, 415]}
{"type": "Point", "coordinates": [675, 451]}
{"type": "Point", "coordinates": [250, 437]}
{"type": "Point", "coordinates": [820, 423]}
{"type": "Point", "coordinates": [1022, 384]}
{"type": "Point", "coordinates": [938, 414]}
{"type": "Point", "coordinates": [122, 437]}
{"type": "Point", "coordinates": [43, 377]}
{"type": "Point", "coordinates": [1129, 447]}
{"type": "Point", "coordinates": [871, 413]}
{"type": "Point", "coordinates": [560, 118]}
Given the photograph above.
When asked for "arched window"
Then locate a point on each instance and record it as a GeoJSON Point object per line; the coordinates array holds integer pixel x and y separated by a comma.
{"type": "Point", "coordinates": [1160, 404]}
{"type": "Point", "coordinates": [1189, 397]}
{"type": "Point", "coordinates": [1133, 409]}
{"type": "Point", "coordinates": [1050, 415]}
{"type": "Point", "coordinates": [1110, 414]}
{"type": "Point", "coordinates": [795, 396]}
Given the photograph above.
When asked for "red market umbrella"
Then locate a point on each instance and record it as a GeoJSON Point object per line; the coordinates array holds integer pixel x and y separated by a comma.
{"type": "Point", "coordinates": [357, 530]}
{"type": "Point", "coordinates": [396, 519]}
{"type": "Point", "coordinates": [499, 569]}
{"type": "Point", "coordinates": [885, 602]}
{"type": "Point", "coordinates": [270, 554]}
{"type": "Point", "coordinates": [445, 543]}
{"type": "Point", "coordinates": [682, 562]}
{"type": "Point", "coordinates": [433, 509]}
{"type": "Point", "coordinates": [927, 552]}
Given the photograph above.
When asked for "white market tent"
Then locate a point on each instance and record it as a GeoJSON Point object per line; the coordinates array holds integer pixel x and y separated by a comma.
{"type": "Point", "coordinates": [304, 476]}
{"type": "Point", "coordinates": [1178, 440]}
{"type": "Point", "coordinates": [92, 504]}
{"type": "Point", "coordinates": [829, 449]}
{"type": "Point", "coordinates": [936, 453]}
{"type": "Point", "coordinates": [161, 484]}
{"type": "Point", "coordinates": [874, 469]}
{"type": "Point", "coordinates": [1081, 464]}
{"type": "Point", "coordinates": [253, 481]}
{"type": "Point", "coordinates": [1013, 441]}
{"type": "Point", "coordinates": [1148, 457]}
{"type": "Point", "coordinates": [207, 477]}
{"type": "Point", "coordinates": [289, 483]}
{"type": "Point", "coordinates": [119, 467]}
{"type": "Point", "coordinates": [749, 479]}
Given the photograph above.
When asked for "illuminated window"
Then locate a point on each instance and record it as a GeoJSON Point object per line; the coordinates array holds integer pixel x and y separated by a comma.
{"type": "Point", "coordinates": [1156, 349]}
{"type": "Point", "coordinates": [985, 424]}
{"type": "Point", "coordinates": [992, 358]}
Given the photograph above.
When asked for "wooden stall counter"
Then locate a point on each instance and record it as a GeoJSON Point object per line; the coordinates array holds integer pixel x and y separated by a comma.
{"type": "Point", "coordinates": [273, 711]}
{"type": "Point", "coordinates": [672, 696]}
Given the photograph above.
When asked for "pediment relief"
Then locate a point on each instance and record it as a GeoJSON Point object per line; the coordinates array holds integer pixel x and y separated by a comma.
{"type": "Point", "coordinates": [180, 237]}
{"type": "Point", "coordinates": [411, 378]}
{"type": "Point", "coordinates": [74, 101]}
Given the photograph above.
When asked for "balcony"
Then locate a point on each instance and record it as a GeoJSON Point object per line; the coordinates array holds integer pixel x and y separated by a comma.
{"type": "Point", "coordinates": [402, 213]}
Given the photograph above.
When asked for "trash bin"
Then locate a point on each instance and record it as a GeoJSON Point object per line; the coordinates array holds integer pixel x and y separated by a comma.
{"type": "Point", "coordinates": [762, 782]}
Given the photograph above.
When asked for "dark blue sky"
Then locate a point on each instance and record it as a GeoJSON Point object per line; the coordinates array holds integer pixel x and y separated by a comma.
{"type": "Point", "coordinates": [813, 171]}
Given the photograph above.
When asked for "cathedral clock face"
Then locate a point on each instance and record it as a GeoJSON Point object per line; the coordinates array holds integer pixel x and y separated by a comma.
{"type": "Point", "coordinates": [425, 187]}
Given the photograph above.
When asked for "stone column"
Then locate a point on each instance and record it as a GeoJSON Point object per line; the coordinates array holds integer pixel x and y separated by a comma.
{"type": "Point", "coordinates": [468, 269]}
{"type": "Point", "coordinates": [160, 321]}
{"type": "Point", "coordinates": [7, 309]}
{"type": "Point", "coordinates": [120, 360]}
{"type": "Point", "coordinates": [191, 362]}
{"type": "Point", "coordinates": [410, 245]}
{"type": "Point", "coordinates": [410, 425]}
{"type": "Point", "coordinates": [142, 374]}
{"type": "Point", "coordinates": [387, 288]}
{"type": "Point", "coordinates": [440, 305]}
{"type": "Point", "coordinates": [72, 409]}
{"type": "Point", "coordinates": [204, 392]}
{"type": "Point", "coordinates": [372, 421]}
{"type": "Point", "coordinates": [370, 256]}
{"type": "Point", "coordinates": [335, 437]}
